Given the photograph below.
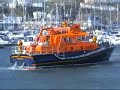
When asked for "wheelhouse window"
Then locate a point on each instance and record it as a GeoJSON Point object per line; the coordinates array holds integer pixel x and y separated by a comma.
{"type": "Point", "coordinates": [82, 38]}
{"type": "Point", "coordinates": [67, 40]}
{"type": "Point", "coordinates": [44, 33]}
{"type": "Point", "coordinates": [79, 38]}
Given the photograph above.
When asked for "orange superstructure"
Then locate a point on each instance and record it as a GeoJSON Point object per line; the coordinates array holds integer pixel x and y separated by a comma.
{"type": "Point", "coordinates": [61, 39]}
{"type": "Point", "coordinates": [62, 46]}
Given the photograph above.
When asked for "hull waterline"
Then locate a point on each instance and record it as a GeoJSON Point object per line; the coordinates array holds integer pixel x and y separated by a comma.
{"type": "Point", "coordinates": [54, 59]}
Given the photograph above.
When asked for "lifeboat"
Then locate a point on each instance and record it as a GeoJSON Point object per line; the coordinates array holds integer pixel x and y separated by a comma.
{"type": "Point", "coordinates": [62, 46]}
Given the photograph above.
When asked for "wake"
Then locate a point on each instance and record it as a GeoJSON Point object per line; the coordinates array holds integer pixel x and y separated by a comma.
{"type": "Point", "coordinates": [16, 67]}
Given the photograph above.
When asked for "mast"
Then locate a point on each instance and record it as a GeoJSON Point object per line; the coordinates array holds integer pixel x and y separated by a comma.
{"type": "Point", "coordinates": [56, 14]}
{"type": "Point", "coordinates": [86, 15]}
{"type": "Point", "coordinates": [64, 10]}
{"type": "Point", "coordinates": [110, 19]}
{"type": "Point", "coordinates": [24, 13]}
{"type": "Point", "coordinates": [81, 15]}
{"type": "Point", "coordinates": [94, 16]}
{"type": "Point", "coordinates": [3, 16]}
{"type": "Point", "coordinates": [51, 17]}
{"type": "Point", "coordinates": [117, 15]}
{"type": "Point", "coordinates": [44, 13]}
{"type": "Point", "coordinates": [12, 13]}
{"type": "Point", "coordinates": [70, 7]}
{"type": "Point", "coordinates": [101, 15]}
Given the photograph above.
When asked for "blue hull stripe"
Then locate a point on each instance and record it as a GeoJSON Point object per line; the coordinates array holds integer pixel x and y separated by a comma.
{"type": "Point", "coordinates": [49, 59]}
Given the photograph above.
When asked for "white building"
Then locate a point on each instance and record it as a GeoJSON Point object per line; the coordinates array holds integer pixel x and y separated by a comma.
{"type": "Point", "coordinates": [103, 1]}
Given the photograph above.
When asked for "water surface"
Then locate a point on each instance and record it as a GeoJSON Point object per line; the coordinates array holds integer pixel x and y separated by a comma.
{"type": "Point", "coordinates": [104, 75]}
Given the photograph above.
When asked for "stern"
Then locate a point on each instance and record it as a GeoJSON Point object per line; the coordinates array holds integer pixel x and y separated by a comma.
{"type": "Point", "coordinates": [22, 59]}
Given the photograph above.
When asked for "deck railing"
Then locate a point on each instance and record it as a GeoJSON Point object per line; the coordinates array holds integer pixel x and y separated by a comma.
{"type": "Point", "coordinates": [16, 50]}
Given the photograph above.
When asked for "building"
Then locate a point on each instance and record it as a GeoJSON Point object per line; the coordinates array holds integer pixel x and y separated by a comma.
{"type": "Point", "coordinates": [103, 1]}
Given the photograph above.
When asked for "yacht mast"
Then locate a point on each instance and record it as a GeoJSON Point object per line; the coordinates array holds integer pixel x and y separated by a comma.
{"type": "Point", "coordinates": [101, 15]}
{"type": "Point", "coordinates": [3, 17]}
{"type": "Point", "coordinates": [24, 13]}
{"type": "Point", "coordinates": [56, 14]}
{"type": "Point", "coordinates": [80, 15]}
{"type": "Point", "coordinates": [51, 17]}
{"type": "Point", "coordinates": [94, 16]}
{"type": "Point", "coordinates": [86, 15]}
{"type": "Point", "coordinates": [70, 8]}
{"type": "Point", "coordinates": [44, 15]}
{"type": "Point", "coordinates": [110, 26]}
{"type": "Point", "coordinates": [12, 14]}
{"type": "Point", "coordinates": [117, 15]}
{"type": "Point", "coordinates": [64, 10]}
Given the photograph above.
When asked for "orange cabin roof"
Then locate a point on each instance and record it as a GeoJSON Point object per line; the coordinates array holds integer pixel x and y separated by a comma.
{"type": "Point", "coordinates": [73, 35]}
{"type": "Point", "coordinates": [60, 30]}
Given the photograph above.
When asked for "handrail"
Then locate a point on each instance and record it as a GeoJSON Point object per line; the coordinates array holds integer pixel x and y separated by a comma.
{"type": "Point", "coordinates": [16, 51]}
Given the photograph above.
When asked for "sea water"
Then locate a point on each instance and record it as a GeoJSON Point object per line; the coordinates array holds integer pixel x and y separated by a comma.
{"type": "Point", "coordinates": [105, 75]}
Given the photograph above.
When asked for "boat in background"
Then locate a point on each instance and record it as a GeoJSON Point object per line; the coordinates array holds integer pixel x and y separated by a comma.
{"type": "Point", "coordinates": [28, 39]}
{"type": "Point", "coordinates": [115, 39]}
{"type": "Point", "coordinates": [15, 34]}
{"type": "Point", "coordinates": [4, 40]}
{"type": "Point", "coordinates": [62, 46]}
{"type": "Point", "coordinates": [102, 35]}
